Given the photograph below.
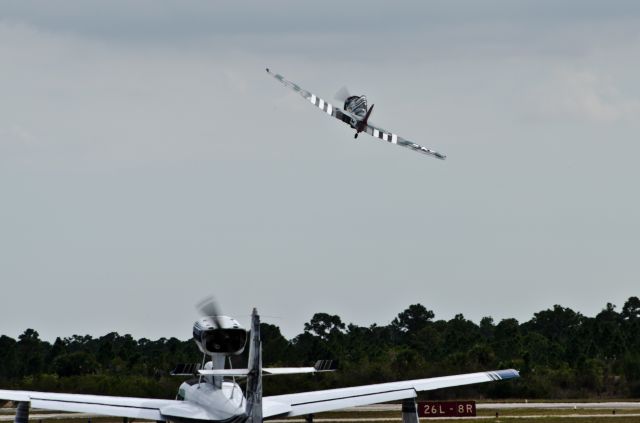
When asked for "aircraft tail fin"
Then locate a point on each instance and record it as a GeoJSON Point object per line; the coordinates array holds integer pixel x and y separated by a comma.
{"type": "Point", "coordinates": [254, 377]}
{"type": "Point", "coordinates": [362, 125]}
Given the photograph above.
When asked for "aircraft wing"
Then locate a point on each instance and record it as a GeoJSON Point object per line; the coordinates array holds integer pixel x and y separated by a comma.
{"type": "Point", "coordinates": [385, 135]}
{"type": "Point", "coordinates": [321, 104]}
{"type": "Point", "coordinates": [134, 408]}
{"type": "Point", "coordinates": [332, 399]}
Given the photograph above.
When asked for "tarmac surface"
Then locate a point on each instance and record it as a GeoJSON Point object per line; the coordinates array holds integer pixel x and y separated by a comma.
{"type": "Point", "coordinates": [390, 419]}
{"type": "Point", "coordinates": [7, 414]}
{"type": "Point", "coordinates": [614, 405]}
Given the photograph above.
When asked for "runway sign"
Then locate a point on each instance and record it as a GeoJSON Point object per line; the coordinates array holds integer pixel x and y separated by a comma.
{"type": "Point", "coordinates": [446, 409]}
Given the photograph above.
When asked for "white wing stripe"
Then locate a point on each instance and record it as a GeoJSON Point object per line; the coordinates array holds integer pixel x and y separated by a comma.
{"type": "Point", "coordinates": [313, 98]}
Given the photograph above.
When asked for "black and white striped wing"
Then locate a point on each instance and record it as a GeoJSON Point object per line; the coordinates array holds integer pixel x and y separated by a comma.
{"type": "Point", "coordinates": [385, 135]}
{"type": "Point", "coordinates": [320, 103]}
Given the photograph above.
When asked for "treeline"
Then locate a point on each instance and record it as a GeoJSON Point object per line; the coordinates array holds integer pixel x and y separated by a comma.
{"type": "Point", "coordinates": [560, 354]}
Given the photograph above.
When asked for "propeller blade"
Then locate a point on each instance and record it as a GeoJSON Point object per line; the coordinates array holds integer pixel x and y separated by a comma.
{"type": "Point", "coordinates": [208, 307]}
{"type": "Point", "coordinates": [342, 94]}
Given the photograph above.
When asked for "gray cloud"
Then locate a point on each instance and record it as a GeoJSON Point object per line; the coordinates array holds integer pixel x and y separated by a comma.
{"type": "Point", "coordinates": [147, 160]}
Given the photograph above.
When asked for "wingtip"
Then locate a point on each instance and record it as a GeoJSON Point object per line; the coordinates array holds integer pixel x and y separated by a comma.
{"type": "Point", "coordinates": [326, 365]}
{"type": "Point", "coordinates": [508, 374]}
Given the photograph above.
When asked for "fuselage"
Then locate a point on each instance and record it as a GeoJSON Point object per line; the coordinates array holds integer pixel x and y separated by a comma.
{"type": "Point", "coordinates": [225, 404]}
{"type": "Point", "coordinates": [210, 397]}
{"type": "Point", "coordinates": [357, 106]}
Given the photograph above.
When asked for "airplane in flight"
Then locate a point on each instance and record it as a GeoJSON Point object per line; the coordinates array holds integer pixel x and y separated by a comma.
{"type": "Point", "coordinates": [213, 395]}
{"type": "Point", "coordinates": [355, 114]}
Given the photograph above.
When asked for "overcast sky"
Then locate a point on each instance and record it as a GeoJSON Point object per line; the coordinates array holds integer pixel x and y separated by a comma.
{"type": "Point", "coordinates": [147, 160]}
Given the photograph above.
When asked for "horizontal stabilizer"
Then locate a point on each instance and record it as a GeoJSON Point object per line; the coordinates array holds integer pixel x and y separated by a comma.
{"type": "Point", "coordinates": [224, 372]}
{"type": "Point", "coordinates": [186, 369]}
{"type": "Point", "coordinates": [320, 366]}
{"type": "Point", "coordinates": [287, 370]}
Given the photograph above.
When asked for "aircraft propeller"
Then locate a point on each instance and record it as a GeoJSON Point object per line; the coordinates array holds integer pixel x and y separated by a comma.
{"type": "Point", "coordinates": [343, 94]}
{"type": "Point", "coordinates": [208, 307]}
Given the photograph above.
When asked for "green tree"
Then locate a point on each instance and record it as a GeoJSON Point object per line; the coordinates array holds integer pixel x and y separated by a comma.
{"type": "Point", "coordinates": [324, 324]}
{"type": "Point", "coordinates": [412, 319]}
{"type": "Point", "coordinates": [608, 334]}
{"type": "Point", "coordinates": [507, 340]}
{"type": "Point", "coordinates": [32, 352]}
{"type": "Point", "coordinates": [487, 328]}
{"type": "Point", "coordinates": [75, 364]}
{"type": "Point", "coordinates": [8, 359]}
{"type": "Point", "coordinates": [631, 309]}
{"type": "Point", "coordinates": [557, 324]}
{"type": "Point", "coordinates": [275, 348]}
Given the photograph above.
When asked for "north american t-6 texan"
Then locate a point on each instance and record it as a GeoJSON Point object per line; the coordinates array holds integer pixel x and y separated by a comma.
{"type": "Point", "coordinates": [213, 395]}
{"type": "Point", "coordinates": [355, 114]}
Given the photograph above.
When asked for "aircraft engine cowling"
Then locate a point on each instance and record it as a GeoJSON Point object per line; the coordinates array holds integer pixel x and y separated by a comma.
{"type": "Point", "coordinates": [356, 104]}
{"type": "Point", "coordinates": [219, 335]}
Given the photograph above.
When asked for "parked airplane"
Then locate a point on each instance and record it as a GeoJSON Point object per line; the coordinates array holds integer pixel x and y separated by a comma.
{"type": "Point", "coordinates": [215, 396]}
{"type": "Point", "coordinates": [356, 114]}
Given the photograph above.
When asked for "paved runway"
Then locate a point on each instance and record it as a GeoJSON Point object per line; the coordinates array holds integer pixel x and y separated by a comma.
{"type": "Point", "coordinates": [617, 405]}
{"type": "Point", "coordinates": [82, 416]}
{"type": "Point", "coordinates": [7, 414]}
{"type": "Point", "coordinates": [391, 419]}
{"type": "Point", "coordinates": [55, 416]}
